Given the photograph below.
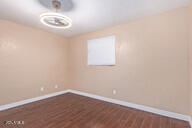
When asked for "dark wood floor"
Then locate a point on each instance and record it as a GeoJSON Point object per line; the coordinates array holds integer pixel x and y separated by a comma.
{"type": "Point", "coordinates": [74, 111]}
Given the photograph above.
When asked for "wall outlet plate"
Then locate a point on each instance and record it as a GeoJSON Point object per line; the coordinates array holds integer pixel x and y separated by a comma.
{"type": "Point", "coordinates": [56, 86]}
{"type": "Point", "coordinates": [42, 89]}
{"type": "Point", "coordinates": [114, 92]}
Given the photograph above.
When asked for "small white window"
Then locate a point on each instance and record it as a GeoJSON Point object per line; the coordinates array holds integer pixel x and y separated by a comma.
{"type": "Point", "coordinates": [101, 51]}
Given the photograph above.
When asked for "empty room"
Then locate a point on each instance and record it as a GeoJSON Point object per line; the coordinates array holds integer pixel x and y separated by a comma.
{"type": "Point", "coordinates": [95, 64]}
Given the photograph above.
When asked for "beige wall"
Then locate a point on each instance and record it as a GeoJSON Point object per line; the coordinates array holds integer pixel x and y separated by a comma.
{"type": "Point", "coordinates": [152, 62]}
{"type": "Point", "coordinates": [190, 60]}
{"type": "Point", "coordinates": [30, 59]}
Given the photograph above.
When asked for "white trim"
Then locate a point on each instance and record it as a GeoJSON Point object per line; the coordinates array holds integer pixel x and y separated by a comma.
{"type": "Point", "coordinates": [136, 106]}
{"type": "Point", "coordinates": [12, 105]}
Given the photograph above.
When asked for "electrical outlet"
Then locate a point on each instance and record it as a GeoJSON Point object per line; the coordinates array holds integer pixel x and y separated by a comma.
{"type": "Point", "coordinates": [56, 86]}
{"type": "Point", "coordinates": [42, 89]}
{"type": "Point", "coordinates": [114, 92]}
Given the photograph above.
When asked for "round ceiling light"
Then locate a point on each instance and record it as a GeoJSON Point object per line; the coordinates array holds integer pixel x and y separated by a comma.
{"type": "Point", "coordinates": [56, 20]}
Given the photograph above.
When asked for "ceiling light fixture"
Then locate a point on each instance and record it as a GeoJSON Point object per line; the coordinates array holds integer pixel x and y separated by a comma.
{"type": "Point", "coordinates": [56, 20]}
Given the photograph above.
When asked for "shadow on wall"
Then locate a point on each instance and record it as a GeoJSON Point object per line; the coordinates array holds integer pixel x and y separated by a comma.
{"type": "Point", "coordinates": [66, 5]}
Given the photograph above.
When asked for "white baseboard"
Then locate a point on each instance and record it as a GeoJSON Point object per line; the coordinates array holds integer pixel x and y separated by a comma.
{"type": "Point", "coordinates": [136, 106]}
{"type": "Point", "coordinates": [123, 103]}
{"type": "Point", "coordinates": [16, 104]}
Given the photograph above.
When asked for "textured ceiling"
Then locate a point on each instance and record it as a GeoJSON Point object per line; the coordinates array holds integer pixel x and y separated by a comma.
{"type": "Point", "coordinates": [87, 15]}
